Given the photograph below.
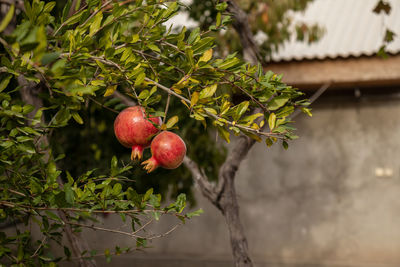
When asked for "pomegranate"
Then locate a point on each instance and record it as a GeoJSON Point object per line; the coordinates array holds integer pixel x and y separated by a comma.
{"type": "Point", "coordinates": [135, 130]}
{"type": "Point", "coordinates": [168, 151]}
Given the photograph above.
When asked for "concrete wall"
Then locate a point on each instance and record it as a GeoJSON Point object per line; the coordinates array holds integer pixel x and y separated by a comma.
{"type": "Point", "coordinates": [332, 199]}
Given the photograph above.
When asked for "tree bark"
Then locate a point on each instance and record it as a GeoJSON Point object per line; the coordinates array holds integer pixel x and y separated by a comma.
{"type": "Point", "coordinates": [228, 205]}
{"type": "Point", "coordinates": [230, 210]}
{"type": "Point", "coordinates": [226, 192]}
{"type": "Point", "coordinates": [241, 25]}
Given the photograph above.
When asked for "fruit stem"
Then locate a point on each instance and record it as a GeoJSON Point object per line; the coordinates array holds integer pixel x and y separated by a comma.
{"type": "Point", "coordinates": [137, 152]}
{"type": "Point", "coordinates": [150, 165]}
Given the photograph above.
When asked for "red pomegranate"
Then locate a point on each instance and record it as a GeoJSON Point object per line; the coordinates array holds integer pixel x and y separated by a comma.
{"type": "Point", "coordinates": [134, 129]}
{"type": "Point", "coordinates": [168, 151]}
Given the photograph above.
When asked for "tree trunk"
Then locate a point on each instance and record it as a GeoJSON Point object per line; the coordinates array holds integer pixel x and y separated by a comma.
{"type": "Point", "coordinates": [227, 201]}
{"type": "Point", "coordinates": [230, 210]}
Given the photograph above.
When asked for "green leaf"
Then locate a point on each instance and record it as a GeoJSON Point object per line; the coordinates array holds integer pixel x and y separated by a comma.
{"type": "Point", "coordinates": [208, 91]}
{"type": "Point", "coordinates": [307, 111]}
{"type": "Point", "coordinates": [148, 194]}
{"type": "Point", "coordinates": [5, 82]}
{"type": "Point", "coordinates": [62, 116]}
{"type": "Point", "coordinates": [269, 142]}
{"type": "Point", "coordinates": [241, 109]}
{"type": "Point", "coordinates": [53, 216]}
{"type": "Point", "coordinates": [117, 189]}
{"type": "Point", "coordinates": [77, 117]}
{"type": "Point", "coordinates": [96, 23]}
{"type": "Point", "coordinates": [83, 90]}
{"type": "Point", "coordinates": [194, 213]}
{"type": "Point", "coordinates": [154, 47]}
{"type": "Point", "coordinates": [251, 118]}
{"type": "Point", "coordinates": [8, 17]}
{"type": "Point", "coordinates": [278, 102]}
{"type": "Point", "coordinates": [194, 99]}
{"type": "Point", "coordinates": [110, 90]}
{"type": "Point", "coordinates": [139, 79]}
{"type": "Point", "coordinates": [224, 134]}
{"type": "Point", "coordinates": [171, 9]}
{"type": "Point", "coordinates": [135, 38]}
{"type": "Point", "coordinates": [172, 121]}
{"type": "Point", "coordinates": [285, 145]}
{"type": "Point", "coordinates": [27, 109]}
{"type": "Point", "coordinates": [271, 120]}
{"type": "Point", "coordinates": [211, 110]}
{"type": "Point", "coordinates": [218, 19]}
{"type": "Point", "coordinates": [203, 45]}
{"type": "Point", "coordinates": [180, 202]}
{"type": "Point", "coordinates": [49, 7]}
{"type": "Point", "coordinates": [50, 57]}
{"type": "Point", "coordinates": [126, 54]}
{"type": "Point", "coordinates": [69, 194]}
{"type": "Point", "coordinates": [206, 56]}
{"type": "Point", "coordinates": [229, 63]}
{"type": "Point", "coordinates": [189, 55]}
{"type": "Point", "coordinates": [144, 94]}
{"type": "Point", "coordinates": [252, 136]}
{"type": "Point", "coordinates": [193, 35]}
{"type": "Point", "coordinates": [74, 19]}
{"type": "Point", "coordinates": [221, 6]}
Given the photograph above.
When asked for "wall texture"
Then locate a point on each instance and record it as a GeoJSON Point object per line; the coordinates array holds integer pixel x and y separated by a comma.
{"type": "Point", "coordinates": [332, 199]}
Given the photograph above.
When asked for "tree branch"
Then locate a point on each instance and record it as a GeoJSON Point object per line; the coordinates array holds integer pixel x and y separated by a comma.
{"type": "Point", "coordinates": [206, 188]}
{"type": "Point", "coordinates": [241, 25]}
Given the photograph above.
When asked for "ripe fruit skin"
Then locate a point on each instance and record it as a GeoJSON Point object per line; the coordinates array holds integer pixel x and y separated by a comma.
{"type": "Point", "coordinates": [133, 129]}
{"type": "Point", "coordinates": [168, 151]}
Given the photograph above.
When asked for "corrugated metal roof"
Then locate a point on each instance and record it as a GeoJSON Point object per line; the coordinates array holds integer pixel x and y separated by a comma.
{"type": "Point", "coordinates": [352, 29]}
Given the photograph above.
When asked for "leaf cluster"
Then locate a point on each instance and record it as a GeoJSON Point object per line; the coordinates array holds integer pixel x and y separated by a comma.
{"type": "Point", "coordinates": [72, 62]}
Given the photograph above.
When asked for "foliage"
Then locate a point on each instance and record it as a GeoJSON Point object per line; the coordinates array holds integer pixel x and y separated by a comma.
{"type": "Point", "coordinates": [76, 61]}
{"type": "Point", "coordinates": [97, 145]}
{"type": "Point", "coordinates": [267, 18]}
{"type": "Point", "coordinates": [383, 7]}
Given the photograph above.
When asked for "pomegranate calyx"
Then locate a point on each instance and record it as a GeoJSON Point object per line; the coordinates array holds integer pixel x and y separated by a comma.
{"type": "Point", "coordinates": [137, 152]}
{"type": "Point", "coordinates": [150, 165]}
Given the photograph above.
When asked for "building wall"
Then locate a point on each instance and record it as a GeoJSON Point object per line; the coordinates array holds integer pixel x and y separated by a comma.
{"type": "Point", "coordinates": [332, 199]}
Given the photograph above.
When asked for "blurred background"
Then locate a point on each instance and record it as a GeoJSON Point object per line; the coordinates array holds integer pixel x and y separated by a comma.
{"type": "Point", "coordinates": [332, 199]}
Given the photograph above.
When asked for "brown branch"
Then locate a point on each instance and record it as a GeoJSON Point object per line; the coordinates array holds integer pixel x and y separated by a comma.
{"type": "Point", "coordinates": [95, 12]}
{"type": "Point", "coordinates": [241, 24]}
{"type": "Point", "coordinates": [314, 97]}
{"type": "Point", "coordinates": [216, 117]}
{"type": "Point", "coordinates": [206, 188]}
{"type": "Point", "coordinates": [133, 235]}
{"type": "Point", "coordinates": [27, 208]}
{"type": "Point", "coordinates": [124, 99]}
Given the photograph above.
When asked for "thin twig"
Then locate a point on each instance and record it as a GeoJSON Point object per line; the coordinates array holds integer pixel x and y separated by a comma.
{"type": "Point", "coordinates": [64, 23]}
{"type": "Point", "coordinates": [314, 97]}
{"type": "Point", "coordinates": [95, 13]}
{"type": "Point", "coordinates": [166, 108]}
{"type": "Point", "coordinates": [102, 105]}
{"type": "Point", "coordinates": [39, 247]}
{"type": "Point", "coordinates": [216, 117]}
